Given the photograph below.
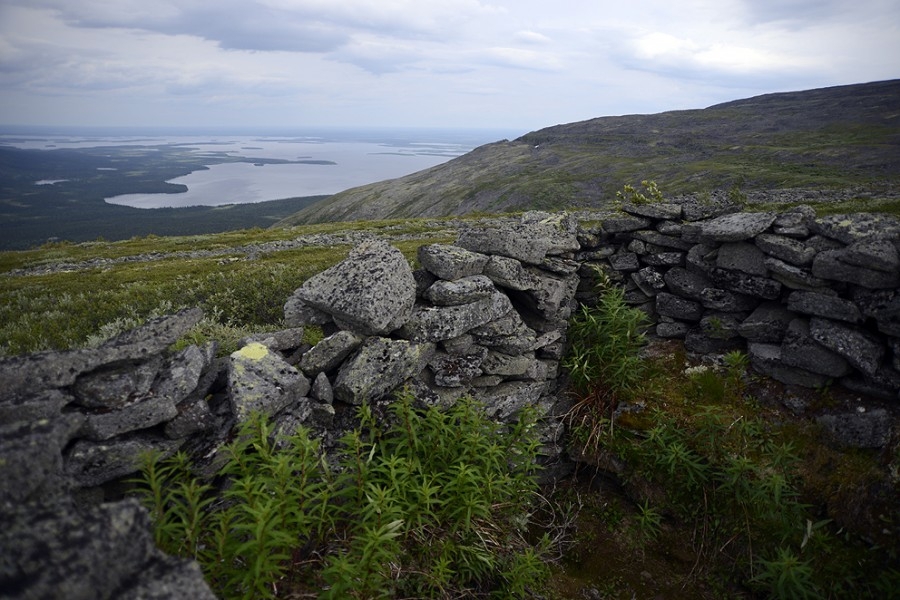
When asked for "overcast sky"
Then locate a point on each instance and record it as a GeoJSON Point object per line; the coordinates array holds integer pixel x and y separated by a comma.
{"type": "Point", "coordinates": [512, 64]}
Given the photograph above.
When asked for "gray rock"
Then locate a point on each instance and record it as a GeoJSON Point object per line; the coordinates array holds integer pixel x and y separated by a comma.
{"type": "Point", "coordinates": [457, 370]}
{"type": "Point", "coordinates": [654, 210]}
{"type": "Point", "coordinates": [672, 329]}
{"type": "Point", "coordinates": [824, 305]}
{"type": "Point", "coordinates": [716, 299]}
{"type": "Point", "coordinates": [664, 259]}
{"type": "Point", "coordinates": [379, 367]}
{"type": "Point", "coordinates": [878, 255]}
{"type": "Point", "coordinates": [799, 349]}
{"type": "Point", "coordinates": [115, 386]}
{"type": "Point", "coordinates": [672, 228]}
{"type": "Point", "coordinates": [32, 466]}
{"type": "Point", "coordinates": [497, 363]}
{"type": "Point", "coordinates": [767, 323]}
{"type": "Point", "coordinates": [460, 291]}
{"type": "Point", "coordinates": [330, 352]}
{"type": "Point", "coordinates": [552, 296]}
{"type": "Point", "coordinates": [766, 359]}
{"type": "Point", "coordinates": [372, 292]}
{"type": "Point", "coordinates": [594, 255]}
{"type": "Point", "coordinates": [530, 240]}
{"type": "Point", "coordinates": [685, 283]}
{"type": "Point", "coordinates": [720, 325]}
{"type": "Point", "coordinates": [504, 401]}
{"type": "Point", "coordinates": [625, 223]}
{"type": "Point", "coordinates": [624, 261]}
{"type": "Point", "coordinates": [94, 463]}
{"type": "Point", "coordinates": [881, 305]}
{"type": "Point", "coordinates": [829, 264]}
{"type": "Point", "coordinates": [321, 389]}
{"type": "Point", "coordinates": [701, 259]}
{"type": "Point", "coordinates": [259, 380]}
{"type": "Point", "coordinates": [509, 273]}
{"type": "Point", "coordinates": [662, 241]}
{"type": "Point", "coordinates": [140, 414]}
{"type": "Point", "coordinates": [859, 226]}
{"type": "Point", "coordinates": [742, 256]}
{"type": "Point", "coordinates": [649, 280]}
{"type": "Point", "coordinates": [297, 313]}
{"type": "Point", "coordinates": [821, 243]}
{"type": "Point", "coordinates": [793, 277]}
{"type": "Point", "coordinates": [44, 405]}
{"type": "Point", "coordinates": [182, 373]}
{"type": "Point", "coordinates": [559, 266]}
{"type": "Point", "coordinates": [424, 280]}
{"type": "Point", "coordinates": [451, 262]}
{"type": "Point", "coordinates": [786, 249]}
{"type": "Point", "coordinates": [463, 344]}
{"type": "Point", "coordinates": [859, 347]}
{"type": "Point", "coordinates": [168, 579]}
{"type": "Point", "coordinates": [105, 552]}
{"type": "Point", "coordinates": [696, 210]}
{"type": "Point", "coordinates": [678, 308]}
{"type": "Point", "coordinates": [867, 429]}
{"type": "Point", "coordinates": [437, 323]}
{"type": "Point", "coordinates": [751, 285]}
{"type": "Point", "coordinates": [736, 227]}
{"type": "Point", "coordinates": [193, 417]}
{"type": "Point", "coordinates": [637, 246]}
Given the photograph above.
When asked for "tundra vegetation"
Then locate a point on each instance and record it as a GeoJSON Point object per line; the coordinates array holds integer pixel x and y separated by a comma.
{"type": "Point", "coordinates": [719, 493]}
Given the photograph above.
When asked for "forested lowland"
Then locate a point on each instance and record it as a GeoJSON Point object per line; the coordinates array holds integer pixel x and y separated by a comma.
{"type": "Point", "coordinates": [74, 208]}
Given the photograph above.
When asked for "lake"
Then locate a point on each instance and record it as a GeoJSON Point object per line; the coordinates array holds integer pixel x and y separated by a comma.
{"type": "Point", "coordinates": [328, 161]}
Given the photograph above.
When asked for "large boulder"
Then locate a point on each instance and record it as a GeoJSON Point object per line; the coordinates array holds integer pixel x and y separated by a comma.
{"type": "Point", "coordinates": [530, 240]}
{"type": "Point", "coordinates": [736, 227]}
{"type": "Point", "coordinates": [372, 292]}
{"type": "Point", "coordinates": [438, 323]}
{"type": "Point", "coordinates": [449, 262]}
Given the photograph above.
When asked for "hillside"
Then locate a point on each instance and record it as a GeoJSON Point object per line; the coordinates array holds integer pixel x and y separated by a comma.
{"type": "Point", "coordinates": [833, 139]}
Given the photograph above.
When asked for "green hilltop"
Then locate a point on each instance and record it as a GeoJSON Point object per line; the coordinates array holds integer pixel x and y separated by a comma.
{"type": "Point", "coordinates": [834, 140]}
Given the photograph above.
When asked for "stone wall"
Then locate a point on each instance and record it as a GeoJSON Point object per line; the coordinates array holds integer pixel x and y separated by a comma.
{"type": "Point", "coordinates": [810, 300]}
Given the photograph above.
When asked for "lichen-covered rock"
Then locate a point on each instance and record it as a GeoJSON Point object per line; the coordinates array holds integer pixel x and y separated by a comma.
{"type": "Point", "coordinates": [824, 305]}
{"type": "Point", "coordinates": [116, 385]}
{"type": "Point", "coordinates": [654, 210]}
{"type": "Point", "coordinates": [321, 389]}
{"type": "Point", "coordinates": [379, 367]}
{"type": "Point", "coordinates": [879, 255]}
{"type": "Point", "coordinates": [881, 305]}
{"type": "Point", "coordinates": [459, 291]}
{"type": "Point", "coordinates": [449, 262]}
{"type": "Point", "coordinates": [736, 227]}
{"type": "Point", "coordinates": [624, 261]}
{"type": "Point", "coordinates": [859, 226]}
{"type": "Point", "coordinates": [140, 414]}
{"type": "Point", "coordinates": [794, 277]}
{"type": "Point", "coordinates": [785, 248]}
{"type": "Point", "coordinates": [259, 380]}
{"type": "Point", "coordinates": [859, 347]}
{"type": "Point", "coordinates": [530, 239]}
{"type": "Point", "coordinates": [284, 339]}
{"type": "Point", "coordinates": [437, 323]}
{"type": "Point", "coordinates": [457, 370]}
{"type": "Point", "coordinates": [767, 359]}
{"type": "Point", "coordinates": [625, 223]}
{"type": "Point", "coordinates": [372, 292]}
{"type": "Point", "coordinates": [105, 552]}
{"type": "Point", "coordinates": [752, 285]}
{"type": "Point", "coordinates": [685, 283]}
{"type": "Point", "coordinates": [94, 463]}
{"type": "Point", "coordinates": [509, 273]}
{"type": "Point", "coordinates": [767, 323]}
{"type": "Point", "coordinates": [799, 349]}
{"type": "Point", "coordinates": [649, 281]}
{"type": "Point", "coordinates": [742, 256]}
{"type": "Point", "coordinates": [330, 352]}
{"type": "Point", "coordinates": [832, 264]}
{"type": "Point", "coordinates": [677, 307]}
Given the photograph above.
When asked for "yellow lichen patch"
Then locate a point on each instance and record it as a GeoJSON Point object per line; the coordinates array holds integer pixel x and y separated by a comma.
{"type": "Point", "coordinates": [253, 351]}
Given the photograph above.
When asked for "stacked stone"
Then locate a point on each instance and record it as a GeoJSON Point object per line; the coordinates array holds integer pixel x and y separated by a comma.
{"type": "Point", "coordinates": [484, 317]}
{"type": "Point", "coordinates": [811, 300]}
{"type": "Point", "coordinates": [71, 421]}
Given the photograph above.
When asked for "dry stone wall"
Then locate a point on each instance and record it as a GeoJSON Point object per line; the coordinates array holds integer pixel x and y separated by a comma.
{"type": "Point", "coordinates": [811, 300]}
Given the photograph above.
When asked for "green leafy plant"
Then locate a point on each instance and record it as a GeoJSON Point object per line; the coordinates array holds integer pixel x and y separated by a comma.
{"type": "Point", "coordinates": [432, 502]}
{"type": "Point", "coordinates": [631, 195]}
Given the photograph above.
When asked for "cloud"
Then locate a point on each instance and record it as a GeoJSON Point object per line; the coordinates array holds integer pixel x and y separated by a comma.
{"type": "Point", "coordinates": [532, 37]}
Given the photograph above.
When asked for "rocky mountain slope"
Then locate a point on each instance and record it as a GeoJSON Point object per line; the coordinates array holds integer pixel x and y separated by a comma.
{"type": "Point", "coordinates": [833, 139]}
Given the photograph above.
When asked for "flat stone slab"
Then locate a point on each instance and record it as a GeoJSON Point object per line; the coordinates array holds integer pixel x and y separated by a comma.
{"type": "Point", "coordinates": [330, 352]}
{"type": "Point", "coordinates": [460, 291]}
{"type": "Point", "coordinates": [450, 262]}
{"type": "Point", "coordinates": [736, 227]}
{"type": "Point", "coordinates": [437, 323]}
{"type": "Point", "coordinates": [860, 348]}
{"type": "Point", "coordinates": [824, 305]}
{"type": "Point", "coordinates": [855, 227]}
